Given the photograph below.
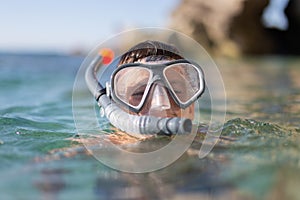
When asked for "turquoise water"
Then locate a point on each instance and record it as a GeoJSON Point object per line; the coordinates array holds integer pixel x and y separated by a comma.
{"type": "Point", "coordinates": [40, 158]}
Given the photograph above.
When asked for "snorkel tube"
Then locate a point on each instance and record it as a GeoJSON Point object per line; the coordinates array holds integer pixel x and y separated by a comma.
{"type": "Point", "coordinates": [131, 124]}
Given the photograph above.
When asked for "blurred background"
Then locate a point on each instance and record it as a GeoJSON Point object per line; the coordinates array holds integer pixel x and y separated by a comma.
{"type": "Point", "coordinates": [71, 27]}
{"type": "Point", "coordinates": [234, 27]}
{"type": "Point", "coordinates": [255, 44]}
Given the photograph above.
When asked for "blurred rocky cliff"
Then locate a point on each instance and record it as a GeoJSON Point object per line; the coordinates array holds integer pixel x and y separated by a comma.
{"type": "Point", "coordinates": [235, 27]}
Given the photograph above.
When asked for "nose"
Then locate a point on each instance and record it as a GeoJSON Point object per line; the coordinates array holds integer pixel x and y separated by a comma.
{"type": "Point", "coordinates": [160, 98]}
{"type": "Point", "coordinates": [159, 103]}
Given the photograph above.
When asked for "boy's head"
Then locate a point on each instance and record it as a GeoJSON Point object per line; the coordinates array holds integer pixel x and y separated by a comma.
{"type": "Point", "coordinates": [154, 79]}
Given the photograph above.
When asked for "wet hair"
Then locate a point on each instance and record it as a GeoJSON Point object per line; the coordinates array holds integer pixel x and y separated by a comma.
{"type": "Point", "coordinates": [151, 51]}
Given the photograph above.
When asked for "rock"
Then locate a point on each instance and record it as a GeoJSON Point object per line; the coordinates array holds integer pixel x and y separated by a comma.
{"type": "Point", "coordinates": [247, 31]}
{"type": "Point", "coordinates": [235, 27]}
{"type": "Point", "coordinates": [207, 21]}
{"type": "Point", "coordinates": [291, 37]}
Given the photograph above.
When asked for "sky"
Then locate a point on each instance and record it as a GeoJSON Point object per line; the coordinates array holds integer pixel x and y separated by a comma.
{"type": "Point", "coordinates": [67, 25]}
{"type": "Point", "coordinates": [274, 14]}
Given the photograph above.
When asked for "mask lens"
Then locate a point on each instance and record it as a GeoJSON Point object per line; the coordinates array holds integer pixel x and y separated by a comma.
{"type": "Point", "coordinates": [184, 79]}
{"type": "Point", "coordinates": [130, 85]}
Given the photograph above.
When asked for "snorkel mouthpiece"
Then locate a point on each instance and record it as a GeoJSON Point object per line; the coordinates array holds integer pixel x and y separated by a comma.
{"type": "Point", "coordinates": [143, 125]}
{"type": "Point", "coordinates": [131, 124]}
{"type": "Point", "coordinates": [166, 126]}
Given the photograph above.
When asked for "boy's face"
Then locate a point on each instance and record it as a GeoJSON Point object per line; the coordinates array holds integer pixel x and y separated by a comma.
{"type": "Point", "coordinates": [159, 102]}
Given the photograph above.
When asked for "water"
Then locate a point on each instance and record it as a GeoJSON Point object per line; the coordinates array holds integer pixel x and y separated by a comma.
{"type": "Point", "coordinates": [41, 158]}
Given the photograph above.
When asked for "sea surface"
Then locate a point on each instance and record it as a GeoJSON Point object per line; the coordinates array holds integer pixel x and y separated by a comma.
{"type": "Point", "coordinates": [41, 157]}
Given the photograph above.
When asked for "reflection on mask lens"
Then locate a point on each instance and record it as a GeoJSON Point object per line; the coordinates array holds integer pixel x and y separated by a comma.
{"type": "Point", "coordinates": [184, 80]}
{"type": "Point", "coordinates": [130, 85]}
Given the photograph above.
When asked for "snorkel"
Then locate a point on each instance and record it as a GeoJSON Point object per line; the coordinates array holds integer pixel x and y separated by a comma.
{"type": "Point", "coordinates": [132, 124]}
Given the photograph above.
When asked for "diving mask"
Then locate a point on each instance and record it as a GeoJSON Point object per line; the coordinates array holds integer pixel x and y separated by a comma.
{"type": "Point", "coordinates": [131, 83]}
